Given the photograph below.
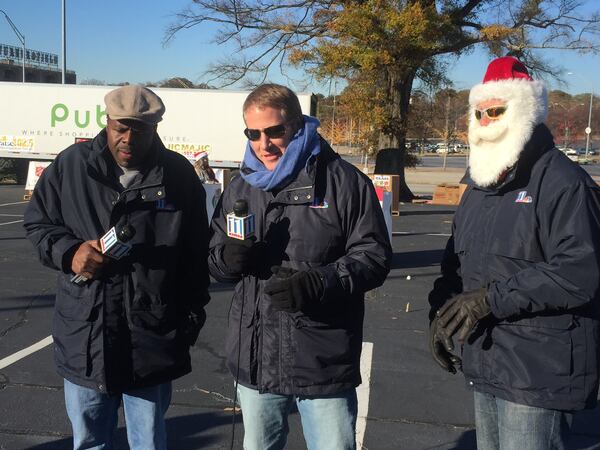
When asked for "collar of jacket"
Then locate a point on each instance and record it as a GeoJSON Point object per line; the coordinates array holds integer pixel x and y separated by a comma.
{"type": "Point", "coordinates": [307, 186]}
{"type": "Point", "coordinates": [151, 188]}
{"type": "Point", "coordinates": [541, 141]}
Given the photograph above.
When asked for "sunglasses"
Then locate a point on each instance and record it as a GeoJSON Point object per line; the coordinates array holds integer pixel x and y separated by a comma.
{"type": "Point", "coordinates": [274, 132]}
{"type": "Point", "coordinates": [492, 113]}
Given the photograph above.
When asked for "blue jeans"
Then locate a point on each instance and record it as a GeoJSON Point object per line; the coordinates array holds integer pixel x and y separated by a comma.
{"type": "Point", "coordinates": [328, 421]}
{"type": "Point", "coordinates": [504, 425]}
{"type": "Point", "coordinates": [93, 416]}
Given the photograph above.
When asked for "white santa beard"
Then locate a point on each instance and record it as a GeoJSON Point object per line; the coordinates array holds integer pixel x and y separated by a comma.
{"type": "Point", "coordinates": [495, 148]}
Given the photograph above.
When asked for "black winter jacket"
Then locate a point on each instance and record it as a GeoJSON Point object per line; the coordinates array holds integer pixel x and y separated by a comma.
{"type": "Point", "coordinates": [133, 326]}
{"type": "Point", "coordinates": [328, 219]}
{"type": "Point", "coordinates": [534, 242]}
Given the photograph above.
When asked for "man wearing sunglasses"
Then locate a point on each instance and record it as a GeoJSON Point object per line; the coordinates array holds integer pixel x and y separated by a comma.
{"type": "Point", "coordinates": [520, 280]}
{"type": "Point", "coordinates": [295, 323]}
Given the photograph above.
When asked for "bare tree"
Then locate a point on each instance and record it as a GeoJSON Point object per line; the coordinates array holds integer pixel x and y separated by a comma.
{"type": "Point", "coordinates": [387, 44]}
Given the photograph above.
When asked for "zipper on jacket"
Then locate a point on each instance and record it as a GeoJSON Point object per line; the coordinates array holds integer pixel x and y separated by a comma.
{"type": "Point", "coordinates": [297, 188]}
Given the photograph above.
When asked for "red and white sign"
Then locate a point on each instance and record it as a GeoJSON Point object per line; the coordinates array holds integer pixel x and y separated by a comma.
{"type": "Point", "coordinates": [34, 172]}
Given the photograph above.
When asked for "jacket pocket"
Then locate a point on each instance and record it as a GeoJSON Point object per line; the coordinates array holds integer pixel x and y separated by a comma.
{"type": "Point", "coordinates": [323, 354]}
{"type": "Point", "coordinates": [517, 249]}
{"type": "Point", "coordinates": [319, 250]}
{"type": "Point", "coordinates": [533, 354]}
{"type": "Point", "coordinates": [74, 302]}
{"type": "Point", "coordinates": [153, 352]}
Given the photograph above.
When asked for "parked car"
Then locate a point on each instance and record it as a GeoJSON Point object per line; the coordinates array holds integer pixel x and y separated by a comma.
{"type": "Point", "coordinates": [591, 151]}
{"type": "Point", "coordinates": [441, 148]}
{"type": "Point", "coordinates": [461, 148]}
{"type": "Point", "coordinates": [568, 151]}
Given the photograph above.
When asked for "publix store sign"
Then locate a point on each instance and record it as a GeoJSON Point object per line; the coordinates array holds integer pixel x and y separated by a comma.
{"type": "Point", "coordinates": [60, 113]}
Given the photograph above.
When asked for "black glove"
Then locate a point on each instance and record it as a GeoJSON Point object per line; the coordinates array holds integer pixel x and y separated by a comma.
{"type": "Point", "coordinates": [239, 256]}
{"type": "Point", "coordinates": [461, 314]}
{"type": "Point", "coordinates": [292, 290]}
{"type": "Point", "coordinates": [445, 359]}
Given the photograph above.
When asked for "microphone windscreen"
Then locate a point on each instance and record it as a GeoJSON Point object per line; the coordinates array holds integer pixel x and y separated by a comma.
{"type": "Point", "coordinates": [240, 208]}
{"type": "Point", "coordinates": [126, 233]}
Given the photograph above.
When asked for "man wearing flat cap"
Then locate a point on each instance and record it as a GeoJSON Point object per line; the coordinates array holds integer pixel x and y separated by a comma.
{"type": "Point", "coordinates": [122, 326]}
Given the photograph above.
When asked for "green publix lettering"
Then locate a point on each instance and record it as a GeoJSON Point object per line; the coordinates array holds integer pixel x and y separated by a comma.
{"type": "Point", "coordinates": [60, 113]}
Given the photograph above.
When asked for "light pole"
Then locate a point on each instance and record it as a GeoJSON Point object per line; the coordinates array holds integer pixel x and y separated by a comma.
{"type": "Point", "coordinates": [588, 130]}
{"type": "Point", "coordinates": [19, 36]}
{"type": "Point", "coordinates": [64, 41]}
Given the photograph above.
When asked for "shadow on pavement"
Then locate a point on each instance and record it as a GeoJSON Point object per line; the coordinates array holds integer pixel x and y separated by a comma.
{"type": "Point", "coordinates": [189, 432]}
{"type": "Point", "coordinates": [467, 441]}
{"type": "Point", "coordinates": [411, 260]}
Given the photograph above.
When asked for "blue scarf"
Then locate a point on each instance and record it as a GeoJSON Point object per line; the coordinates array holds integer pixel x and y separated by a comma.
{"type": "Point", "coordinates": [304, 144]}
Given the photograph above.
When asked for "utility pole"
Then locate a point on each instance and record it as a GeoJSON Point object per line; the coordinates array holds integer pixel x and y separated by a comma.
{"type": "Point", "coordinates": [64, 41]}
{"type": "Point", "coordinates": [447, 131]}
{"type": "Point", "coordinates": [588, 130]}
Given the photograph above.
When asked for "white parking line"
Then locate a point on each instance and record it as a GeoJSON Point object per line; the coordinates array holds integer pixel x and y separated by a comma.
{"type": "Point", "coordinates": [15, 203]}
{"type": "Point", "coordinates": [9, 223]}
{"type": "Point", "coordinates": [5, 362]}
{"type": "Point", "coordinates": [362, 392]}
{"type": "Point", "coordinates": [11, 215]}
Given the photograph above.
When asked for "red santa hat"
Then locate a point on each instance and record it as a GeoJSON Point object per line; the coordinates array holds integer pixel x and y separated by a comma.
{"type": "Point", "coordinates": [507, 79]}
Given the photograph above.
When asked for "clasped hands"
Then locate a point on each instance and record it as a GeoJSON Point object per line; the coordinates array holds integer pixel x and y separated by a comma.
{"type": "Point", "coordinates": [458, 316]}
{"type": "Point", "coordinates": [290, 290]}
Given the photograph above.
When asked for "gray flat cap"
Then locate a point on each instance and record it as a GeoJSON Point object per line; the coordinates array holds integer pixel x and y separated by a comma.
{"type": "Point", "coordinates": [134, 102]}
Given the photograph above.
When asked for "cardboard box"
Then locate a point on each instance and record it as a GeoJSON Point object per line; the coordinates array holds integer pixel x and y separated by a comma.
{"type": "Point", "coordinates": [461, 189]}
{"type": "Point", "coordinates": [390, 183]}
{"type": "Point", "coordinates": [448, 194]}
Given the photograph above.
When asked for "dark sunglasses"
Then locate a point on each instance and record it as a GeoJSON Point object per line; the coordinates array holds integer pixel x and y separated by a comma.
{"type": "Point", "coordinates": [274, 132]}
{"type": "Point", "coordinates": [492, 113]}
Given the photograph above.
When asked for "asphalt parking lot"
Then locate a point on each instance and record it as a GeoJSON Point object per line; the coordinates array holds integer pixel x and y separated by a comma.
{"type": "Point", "coordinates": [412, 404]}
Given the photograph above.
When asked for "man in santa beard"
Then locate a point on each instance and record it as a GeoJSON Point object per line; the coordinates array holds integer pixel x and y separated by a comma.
{"type": "Point", "coordinates": [520, 283]}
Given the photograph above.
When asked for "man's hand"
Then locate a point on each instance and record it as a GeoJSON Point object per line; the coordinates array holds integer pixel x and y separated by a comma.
{"type": "Point", "coordinates": [241, 256]}
{"type": "Point", "coordinates": [88, 260]}
{"type": "Point", "coordinates": [445, 359]}
{"type": "Point", "coordinates": [460, 315]}
{"type": "Point", "coordinates": [293, 290]}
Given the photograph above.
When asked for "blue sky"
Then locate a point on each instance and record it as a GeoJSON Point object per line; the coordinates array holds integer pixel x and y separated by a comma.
{"type": "Point", "coordinates": [116, 41]}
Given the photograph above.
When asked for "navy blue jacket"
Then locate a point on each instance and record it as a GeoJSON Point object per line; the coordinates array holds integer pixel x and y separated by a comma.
{"type": "Point", "coordinates": [327, 219]}
{"type": "Point", "coordinates": [534, 242]}
{"type": "Point", "coordinates": [132, 327]}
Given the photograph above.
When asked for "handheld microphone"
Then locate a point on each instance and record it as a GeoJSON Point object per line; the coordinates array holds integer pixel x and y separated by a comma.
{"type": "Point", "coordinates": [114, 244]}
{"type": "Point", "coordinates": [240, 223]}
